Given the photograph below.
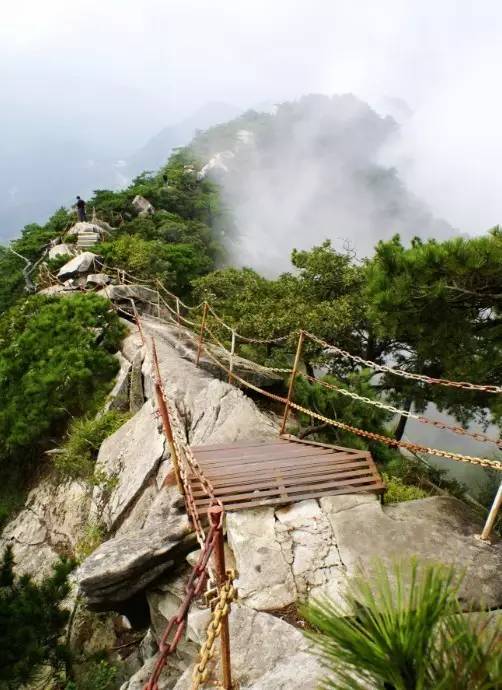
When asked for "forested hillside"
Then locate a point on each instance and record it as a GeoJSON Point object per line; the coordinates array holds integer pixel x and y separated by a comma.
{"type": "Point", "coordinates": [424, 303]}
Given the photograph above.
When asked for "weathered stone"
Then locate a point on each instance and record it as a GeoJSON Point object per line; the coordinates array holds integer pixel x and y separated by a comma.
{"type": "Point", "coordinates": [143, 206]}
{"type": "Point", "coordinates": [118, 399]}
{"type": "Point", "coordinates": [51, 523]}
{"type": "Point", "coordinates": [267, 654]}
{"type": "Point", "coordinates": [265, 579]}
{"type": "Point", "coordinates": [136, 395]}
{"type": "Point", "coordinates": [125, 565]}
{"type": "Point", "coordinates": [83, 226]}
{"type": "Point", "coordinates": [131, 345]}
{"type": "Point", "coordinates": [61, 250]}
{"type": "Point", "coordinates": [164, 600]}
{"type": "Point", "coordinates": [437, 529]}
{"type": "Point", "coordinates": [144, 297]}
{"type": "Point", "coordinates": [82, 263]}
{"type": "Point", "coordinates": [308, 544]}
{"type": "Point", "coordinates": [130, 458]}
{"type": "Point", "coordinates": [95, 279]}
{"type": "Point", "coordinates": [176, 665]}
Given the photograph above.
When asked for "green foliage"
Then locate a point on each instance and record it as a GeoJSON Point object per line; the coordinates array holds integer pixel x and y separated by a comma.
{"type": "Point", "coordinates": [94, 535]}
{"type": "Point", "coordinates": [398, 491]}
{"type": "Point", "coordinates": [176, 265]}
{"type": "Point", "coordinates": [441, 304]}
{"type": "Point", "coordinates": [405, 631]}
{"type": "Point", "coordinates": [31, 622]}
{"type": "Point", "coordinates": [98, 675]}
{"type": "Point", "coordinates": [56, 361]}
{"type": "Point", "coordinates": [85, 436]}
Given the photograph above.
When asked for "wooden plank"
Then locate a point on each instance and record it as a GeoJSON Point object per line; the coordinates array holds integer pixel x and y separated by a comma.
{"type": "Point", "coordinates": [286, 482]}
{"type": "Point", "coordinates": [203, 506]}
{"type": "Point", "coordinates": [238, 444]}
{"type": "Point", "coordinates": [304, 470]}
{"type": "Point", "coordinates": [295, 488]}
{"type": "Point", "coordinates": [265, 465]}
{"type": "Point", "coordinates": [293, 439]}
{"type": "Point", "coordinates": [280, 451]}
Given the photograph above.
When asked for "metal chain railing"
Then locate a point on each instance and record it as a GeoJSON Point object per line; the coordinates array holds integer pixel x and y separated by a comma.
{"type": "Point", "coordinates": [221, 609]}
{"type": "Point", "coordinates": [478, 436]}
{"type": "Point", "coordinates": [401, 372]}
{"type": "Point", "coordinates": [176, 626]}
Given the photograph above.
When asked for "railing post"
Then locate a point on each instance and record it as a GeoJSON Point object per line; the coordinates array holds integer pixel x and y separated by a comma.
{"type": "Point", "coordinates": [492, 516]}
{"type": "Point", "coordinates": [231, 362]}
{"type": "Point", "coordinates": [292, 381]}
{"type": "Point", "coordinates": [178, 312]}
{"type": "Point", "coordinates": [216, 516]}
{"type": "Point", "coordinates": [166, 422]}
{"type": "Point", "coordinates": [202, 329]}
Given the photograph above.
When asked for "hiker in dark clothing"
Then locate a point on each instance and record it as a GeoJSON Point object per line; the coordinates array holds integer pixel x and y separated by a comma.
{"type": "Point", "coordinates": [81, 209]}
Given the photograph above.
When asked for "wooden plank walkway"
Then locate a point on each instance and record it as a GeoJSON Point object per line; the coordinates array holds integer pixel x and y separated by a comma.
{"type": "Point", "coordinates": [247, 474]}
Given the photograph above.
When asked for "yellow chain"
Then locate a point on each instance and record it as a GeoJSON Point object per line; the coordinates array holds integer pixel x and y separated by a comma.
{"type": "Point", "coordinates": [221, 609]}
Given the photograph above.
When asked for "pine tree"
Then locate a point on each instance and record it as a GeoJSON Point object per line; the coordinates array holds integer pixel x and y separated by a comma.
{"type": "Point", "coordinates": [31, 622]}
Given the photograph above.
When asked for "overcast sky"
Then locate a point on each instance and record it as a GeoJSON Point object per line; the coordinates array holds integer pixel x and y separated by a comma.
{"type": "Point", "coordinates": [112, 73]}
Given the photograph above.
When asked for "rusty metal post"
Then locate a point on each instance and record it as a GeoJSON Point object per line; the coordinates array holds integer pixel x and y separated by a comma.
{"type": "Point", "coordinates": [292, 382]}
{"type": "Point", "coordinates": [138, 322]}
{"type": "Point", "coordinates": [166, 422]}
{"type": "Point", "coordinates": [216, 517]}
{"type": "Point", "coordinates": [202, 329]}
{"type": "Point", "coordinates": [492, 516]}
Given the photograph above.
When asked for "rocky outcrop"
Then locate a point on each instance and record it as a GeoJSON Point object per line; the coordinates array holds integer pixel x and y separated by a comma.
{"type": "Point", "coordinates": [125, 565]}
{"type": "Point", "coordinates": [50, 524]}
{"type": "Point", "coordinates": [83, 227]}
{"type": "Point", "coordinates": [97, 280]}
{"type": "Point", "coordinates": [80, 265]}
{"type": "Point", "coordinates": [436, 529]}
{"type": "Point", "coordinates": [142, 206]}
{"type": "Point", "coordinates": [314, 547]}
{"type": "Point", "coordinates": [129, 458]}
{"type": "Point", "coordinates": [61, 250]}
{"type": "Point", "coordinates": [267, 653]}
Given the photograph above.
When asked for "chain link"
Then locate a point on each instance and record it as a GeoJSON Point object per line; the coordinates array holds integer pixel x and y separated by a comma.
{"type": "Point", "coordinates": [401, 372]}
{"type": "Point", "coordinates": [405, 413]}
{"type": "Point", "coordinates": [227, 594]}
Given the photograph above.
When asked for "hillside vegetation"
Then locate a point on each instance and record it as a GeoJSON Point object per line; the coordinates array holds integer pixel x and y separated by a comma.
{"type": "Point", "coordinates": [426, 305]}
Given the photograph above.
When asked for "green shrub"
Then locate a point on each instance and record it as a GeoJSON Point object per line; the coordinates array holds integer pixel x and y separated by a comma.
{"type": "Point", "coordinates": [94, 535]}
{"type": "Point", "coordinates": [56, 361]}
{"type": "Point", "coordinates": [98, 675]}
{"type": "Point", "coordinates": [85, 437]}
{"type": "Point", "coordinates": [398, 491]}
{"type": "Point", "coordinates": [32, 622]}
{"type": "Point", "coordinates": [406, 630]}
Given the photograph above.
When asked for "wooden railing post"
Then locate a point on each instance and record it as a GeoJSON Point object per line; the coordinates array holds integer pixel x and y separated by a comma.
{"type": "Point", "coordinates": [202, 329]}
{"type": "Point", "coordinates": [292, 381]}
{"type": "Point", "coordinates": [231, 361]}
{"type": "Point", "coordinates": [492, 516]}
{"type": "Point", "coordinates": [215, 516]}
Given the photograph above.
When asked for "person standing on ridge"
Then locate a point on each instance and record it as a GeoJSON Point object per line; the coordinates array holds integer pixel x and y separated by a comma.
{"type": "Point", "coordinates": [81, 209]}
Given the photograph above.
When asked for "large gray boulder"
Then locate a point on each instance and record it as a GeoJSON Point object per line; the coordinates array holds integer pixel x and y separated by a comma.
{"type": "Point", "coordinates": [125, 565]}
{"type": "Point", "coordinates": [79, 265]}
{"type": "Point", "coordinates": [285, 555]}
{"type": "Point", "coordinates": [61, 250]}
{"type": "Point", "coordinates": [129, 459]}
{"type": "Point", "coordinates": [143, 206]}
{"type": "Point", "coordinates": [52, 522]}
{"type": "Point", "coordinates": [438, 529]}
{"type": "Point", "coordinates": [267, 654]}
{"type": "Point", "coordinates": [213, 411]}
